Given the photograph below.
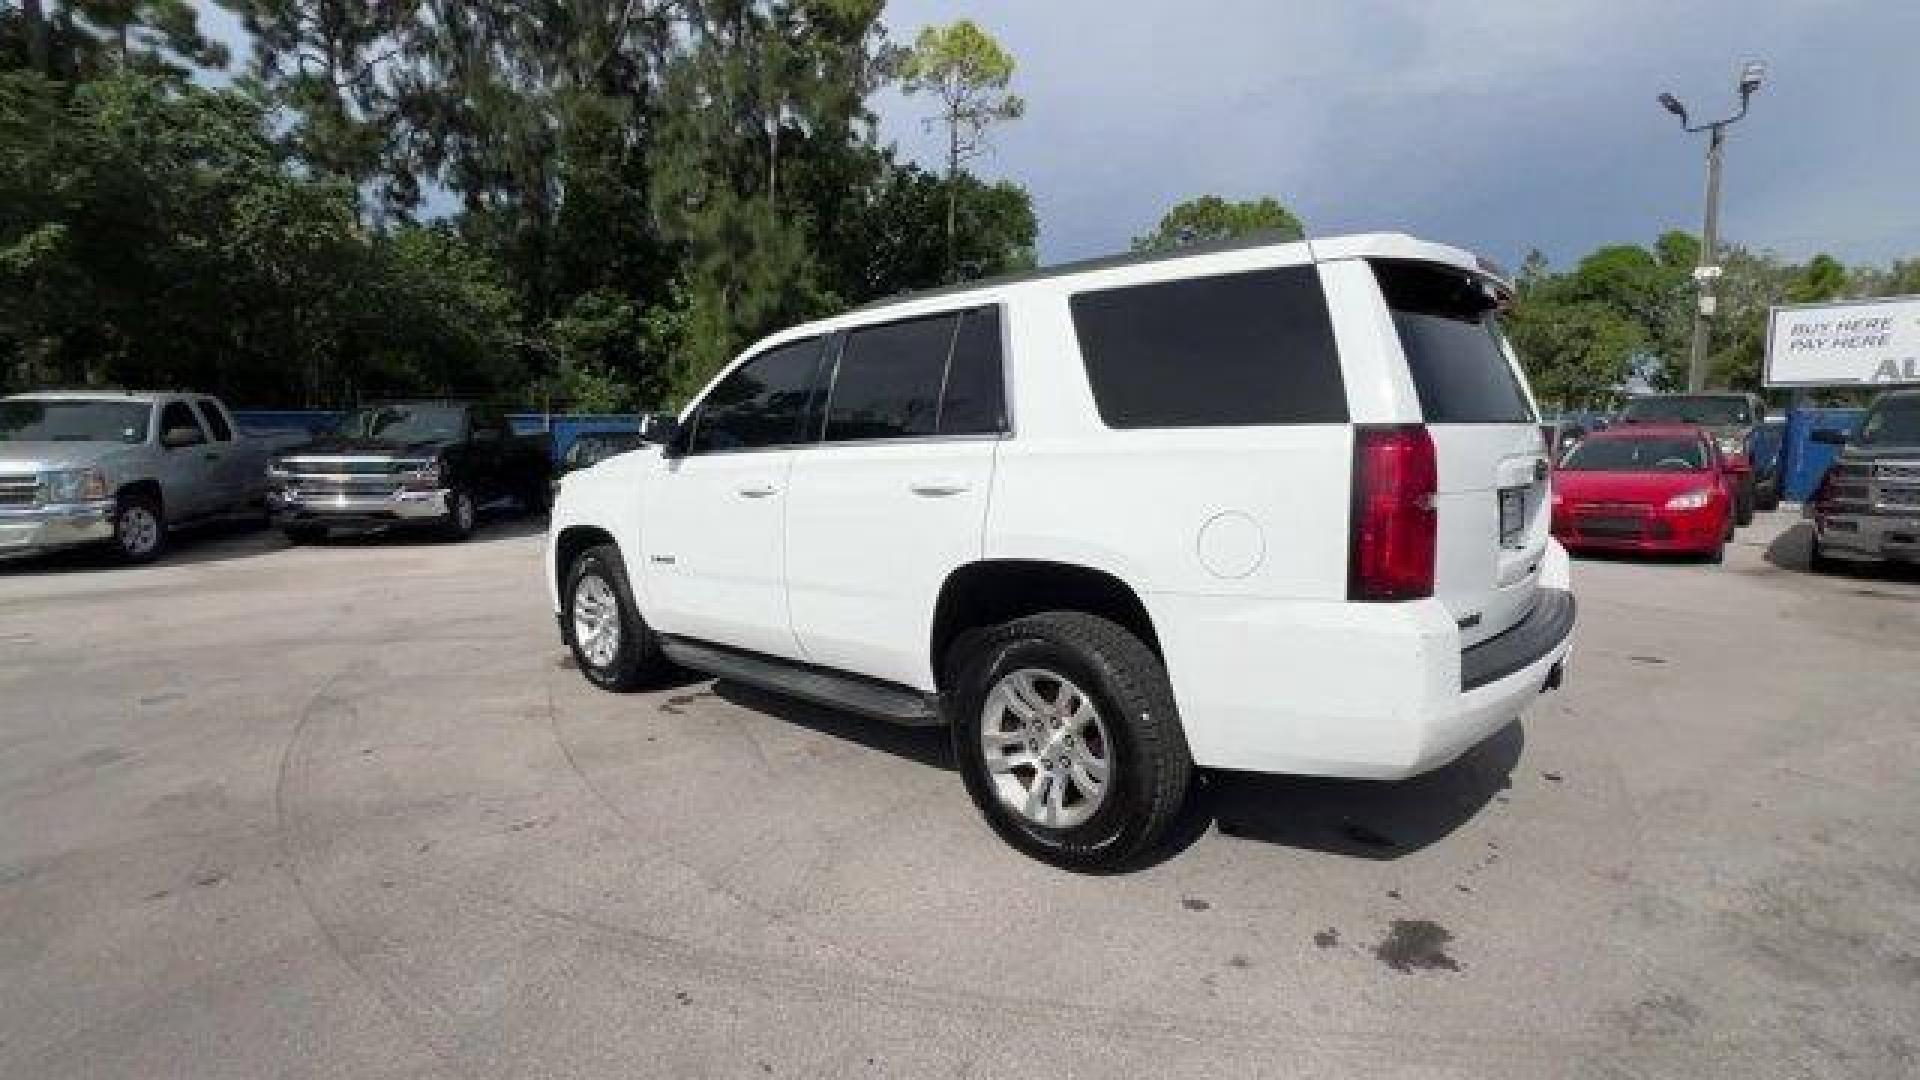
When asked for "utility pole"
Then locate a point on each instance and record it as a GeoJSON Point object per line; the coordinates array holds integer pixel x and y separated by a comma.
{"type": "Point", "coordinates": [1707, 273]}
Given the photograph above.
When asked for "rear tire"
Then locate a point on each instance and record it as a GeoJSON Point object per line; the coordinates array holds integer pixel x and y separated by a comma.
{"type": "Point", "coordinates": [1819, 562]}
{"type": "Point", "coordinates": [612, 645]}
{"type": "Point", "coordinates": [1049, 790]}
{"type": "Point", "coordinates": [1743, 502]}
{"type": "Point", "coordinates": [139, 529]}
{"type": "Point", "coordinates": [304, 534]}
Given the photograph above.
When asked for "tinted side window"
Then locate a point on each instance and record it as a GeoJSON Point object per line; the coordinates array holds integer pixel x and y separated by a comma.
{"type": "Point", "coordinates": [177, 415]}
{"type": "Point", "coordinates": [1253, 348]}
{"type": "Point", "coordinates": [975, 401]}
{"type": "Point", "coordinates": [761, 402]}
{"type": "Point", "coordinates": [888, 383]}
{"type": "Point", "coordinates": [1452, 339]}
{"type": "Point", "coordinates": [216, 423]}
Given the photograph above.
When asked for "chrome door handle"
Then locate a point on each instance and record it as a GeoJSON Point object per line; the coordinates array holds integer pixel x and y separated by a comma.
{"type": "Point", "coordinates": [755, 491]}
{"type": "Point", "coordinates": [938, 485]}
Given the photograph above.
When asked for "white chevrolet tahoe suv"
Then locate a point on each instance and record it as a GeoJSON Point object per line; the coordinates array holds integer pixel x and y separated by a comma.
{"type": "Point", "coordinates": [1278, 507]}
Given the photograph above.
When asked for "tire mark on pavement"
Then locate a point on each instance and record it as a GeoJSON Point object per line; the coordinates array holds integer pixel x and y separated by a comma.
{"type": "Point", "coordinates": [396, 1004]}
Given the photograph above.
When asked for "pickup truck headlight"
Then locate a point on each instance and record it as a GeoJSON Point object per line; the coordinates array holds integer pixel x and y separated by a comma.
{"type": "Point", "coordinates": [75, 485]}
{"type": "Point", "coordinates": [424, 478]}
{"type": "Point", "coordinates": [1692, 500]}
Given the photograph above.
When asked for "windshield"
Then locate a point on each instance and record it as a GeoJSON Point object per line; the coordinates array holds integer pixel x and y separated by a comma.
{"type": "Point", "coordinates": [1680, 409]}
{"type": "Point", "coordinates": [1895, 422]}
{"type": "Point", "coordinates": [74, 421]}
{"type": "Point", "coordinates": [405, 423]}
{"type": "Point", "coordinates": [1637, 455]}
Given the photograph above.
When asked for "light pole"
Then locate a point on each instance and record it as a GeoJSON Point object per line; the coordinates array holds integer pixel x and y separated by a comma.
{"type": "Point", "coordinates": [1709, 269]}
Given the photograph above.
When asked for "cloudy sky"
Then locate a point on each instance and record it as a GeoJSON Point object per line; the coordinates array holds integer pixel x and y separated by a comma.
{"type": "Point", "coordinates": [1496, 124]}
{"type": "Point", "coordinates": [1500, 125]}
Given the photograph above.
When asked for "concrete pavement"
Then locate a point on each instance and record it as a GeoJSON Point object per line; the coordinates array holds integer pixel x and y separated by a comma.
{"type": "Point", "coordinates": [346, 812]}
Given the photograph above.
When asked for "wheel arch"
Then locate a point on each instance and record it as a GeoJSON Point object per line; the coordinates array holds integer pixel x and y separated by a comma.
{"type": "Point", "coordinates": [146, 487]}
{"type": "Point", "coordinates": [569, 544]}
{"type": "Point", "coordinates": [993, 591]}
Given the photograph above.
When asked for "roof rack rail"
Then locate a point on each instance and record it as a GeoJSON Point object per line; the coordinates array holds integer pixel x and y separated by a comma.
{"type": "Point", "coordinates": [1263, 238]}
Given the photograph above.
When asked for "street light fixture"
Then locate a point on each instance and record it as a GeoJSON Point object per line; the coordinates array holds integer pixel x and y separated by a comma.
{"type": "Point", "coordinates": [1752, 73]}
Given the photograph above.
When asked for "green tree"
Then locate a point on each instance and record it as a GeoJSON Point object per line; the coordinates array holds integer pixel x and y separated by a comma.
{"type": "Point", "coordinates": [969, 72]}
{"type": "Point", "coordinates": [1210, 218]}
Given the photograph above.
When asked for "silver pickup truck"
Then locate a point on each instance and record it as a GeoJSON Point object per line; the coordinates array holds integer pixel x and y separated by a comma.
{"type": "Point", "coordinates": [123, 468]}
{"type": "Point", "coordinates": [1868, 505]}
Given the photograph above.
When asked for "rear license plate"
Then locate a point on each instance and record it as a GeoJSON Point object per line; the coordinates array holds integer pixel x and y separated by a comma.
{"type": "Point", "coordinates": [1513, 515]}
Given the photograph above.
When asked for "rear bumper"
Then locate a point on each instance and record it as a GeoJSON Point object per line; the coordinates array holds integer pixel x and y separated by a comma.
{"type": "Point", "coordinates": [297, 508]}
{"type": "Point", "coordinates": [1379, 691]}
{"type": "Point", "coordinates": [59, 525]}
{"type": "Point", "coordinates": [1868, 537]}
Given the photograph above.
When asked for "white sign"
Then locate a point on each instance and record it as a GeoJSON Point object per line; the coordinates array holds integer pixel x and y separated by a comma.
{"type": "Point", "coordinates": [1861, 342]}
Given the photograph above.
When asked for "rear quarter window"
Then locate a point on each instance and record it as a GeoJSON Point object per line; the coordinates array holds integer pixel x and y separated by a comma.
{"type": "Point", "coordinates": [1455, 352]}
{"type": "Point", "coordinates": [1233, 349]}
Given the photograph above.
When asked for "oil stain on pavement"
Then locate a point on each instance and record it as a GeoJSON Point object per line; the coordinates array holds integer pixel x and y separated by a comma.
{"type": "Point", "coordinates": [1416, 945]}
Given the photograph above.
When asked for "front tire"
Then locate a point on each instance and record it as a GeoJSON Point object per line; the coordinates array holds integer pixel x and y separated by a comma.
{"type": "Point", "coordinates": [462, 515]}
{"type": "Point", "coordinates": [139, 529]}
{"type": "Point", "coordinates": [1065, 731]}
{"type": "Point", "coordinates": [612, 645]}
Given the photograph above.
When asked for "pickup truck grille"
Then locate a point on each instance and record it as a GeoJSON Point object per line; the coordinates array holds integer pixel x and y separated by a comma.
{"type": "Point", "coordinates": [1899, 472]}
{"type": "Point", "coordinates": [352, 486]}
{"type": "Point", "coordinates": [19, 490]}
{"type": "Point", "coordinates": [347, 467]}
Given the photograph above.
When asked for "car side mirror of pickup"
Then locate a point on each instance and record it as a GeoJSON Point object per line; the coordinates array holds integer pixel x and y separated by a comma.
{"type": "Point", "coordinates": [175, 438]}
{"type": "Point", "coordinates": [1829, 436]}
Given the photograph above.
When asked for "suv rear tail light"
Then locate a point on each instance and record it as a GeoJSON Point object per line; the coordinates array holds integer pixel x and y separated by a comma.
{"type": "Point", "coordinates": [1395, 525]}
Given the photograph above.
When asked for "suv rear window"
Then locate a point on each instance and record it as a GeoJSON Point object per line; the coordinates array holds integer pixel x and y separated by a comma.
{"type": "Point", "coordinates": [1252, 348]}
{"type": "Point", "coordinates": [1454, 349]}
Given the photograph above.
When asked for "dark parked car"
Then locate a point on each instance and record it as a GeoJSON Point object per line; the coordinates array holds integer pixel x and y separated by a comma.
{"type": "Point", "coordinates": [1868, 505]}
{"type": "Point", "coordinates": [432, 463]}
{"type": "Point", "coordinates": [1733, 419]}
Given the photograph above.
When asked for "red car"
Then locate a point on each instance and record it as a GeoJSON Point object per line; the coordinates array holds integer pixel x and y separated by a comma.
{"type": "Point", "coordinates": [1645, 487]}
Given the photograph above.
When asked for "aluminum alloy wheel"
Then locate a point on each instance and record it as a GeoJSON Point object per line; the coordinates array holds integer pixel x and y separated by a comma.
{"type": "Point", "coordinates": [139, 531]}
{"type": "Point", "coordinates": [596, 620]}
{"type": "Point", "coordinates": [1046, 748]}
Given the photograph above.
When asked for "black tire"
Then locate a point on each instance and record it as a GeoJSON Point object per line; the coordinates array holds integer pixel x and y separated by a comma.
{"type": "Point", "coordinates": [1820, 562]}
{"type": "Point", "coordinates": [461, 516]}
{"type": "Point", "coordinates": [1718, 555]}
{"type": "Point", "coordinates": [139, 529]}
{"type": "Point", "coordinates": [304, 534]}
{"type": "Point", "coordinates": [1147, 757]}
{"type": "Point", "coordinates": [636, 662]}
{"type": "Point", "coordinates": [1743, 502]}
{"type": "Point", "coordinates": [1767, 499]}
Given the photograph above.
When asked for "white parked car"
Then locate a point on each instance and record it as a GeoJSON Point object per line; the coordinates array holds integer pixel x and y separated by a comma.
{"type": "Point", "coordinates": [1278, 507]}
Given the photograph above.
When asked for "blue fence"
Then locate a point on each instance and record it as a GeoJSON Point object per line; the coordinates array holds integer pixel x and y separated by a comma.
{"type": "Point", "coordinates": [563, 427]}
{"type": "Point", "coordinates": [1806, 461]}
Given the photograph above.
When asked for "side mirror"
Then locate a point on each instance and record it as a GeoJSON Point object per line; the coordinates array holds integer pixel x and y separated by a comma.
{"type": "Point", "coordinates": [660, 429]}
{"type": "Point", "coordinates": [1829, 436]}
{"type": "Point", "coordinates": [176, 437]}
